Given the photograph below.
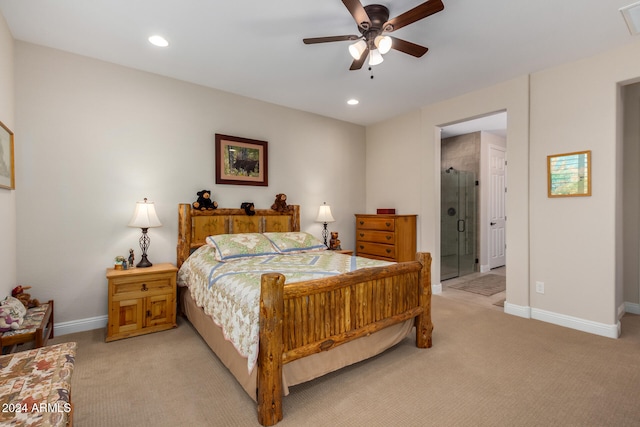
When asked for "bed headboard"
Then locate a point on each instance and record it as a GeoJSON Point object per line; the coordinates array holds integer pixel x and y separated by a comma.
{"type": "Point", "coordinates": [194, 225]}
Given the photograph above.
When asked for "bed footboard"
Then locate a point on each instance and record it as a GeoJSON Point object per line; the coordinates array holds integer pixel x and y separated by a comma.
{"type": "Point", "coordinates": [304, 318]}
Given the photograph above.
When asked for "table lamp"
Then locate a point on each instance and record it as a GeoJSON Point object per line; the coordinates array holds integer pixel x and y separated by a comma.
{"type": "Point", "coordinates": [324, 216]}
{"type": "Point", "coordinates": [145, 217]}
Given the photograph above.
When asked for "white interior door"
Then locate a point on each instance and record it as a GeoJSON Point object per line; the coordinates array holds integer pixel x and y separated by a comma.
{"type": "Point", "coordinates": [497, 214]}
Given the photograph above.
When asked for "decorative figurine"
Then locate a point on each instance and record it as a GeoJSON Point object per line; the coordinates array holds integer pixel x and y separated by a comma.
{"type": "Point", "coordinates": [131, 258]}
{"type": "Point", "coordinates": [334, 243]}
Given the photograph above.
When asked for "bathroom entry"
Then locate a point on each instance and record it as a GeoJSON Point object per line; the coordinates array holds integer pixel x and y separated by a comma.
{"type": "Point", "coordinates": [457, 223]}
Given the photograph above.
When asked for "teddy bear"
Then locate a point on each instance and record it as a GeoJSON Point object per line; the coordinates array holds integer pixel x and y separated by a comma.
{"type": "Point", "coordinates": [249, 208]}
{"type": "Point", "coordinates": [204, 202]}
{"type": "Point", "coordinates": [334, 243]}
{"type": "Point", "coordinates": [24, 298]}
{"type": "Point", "coordinates": [280, 204]}
{"type": "Point", "coordinates": [12, 313]}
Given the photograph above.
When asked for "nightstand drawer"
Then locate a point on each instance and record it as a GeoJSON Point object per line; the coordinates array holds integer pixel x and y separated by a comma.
{"type": "Point", "coordinates": [376, 249]}
{"type": "Point", "coordinates": [371, 223]}
{"type": "Point", "coordinates": [127, 287]}
{"type": "Point", "coordinates": [385, 237]}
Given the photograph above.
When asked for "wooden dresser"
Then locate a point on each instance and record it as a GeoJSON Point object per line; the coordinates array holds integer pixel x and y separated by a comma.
{"type": "Point", "coordinates": [386, 237]}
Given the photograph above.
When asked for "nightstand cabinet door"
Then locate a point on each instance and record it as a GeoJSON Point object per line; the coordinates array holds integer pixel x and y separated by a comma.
{"type": "Point", "coordinates": [141, 301]}
{"type": "Point", "coordinates": [386, 237]}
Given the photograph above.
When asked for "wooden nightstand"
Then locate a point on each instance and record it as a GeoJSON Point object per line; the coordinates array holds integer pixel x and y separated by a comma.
{"type": "Point", "coordinates": [141, 300]}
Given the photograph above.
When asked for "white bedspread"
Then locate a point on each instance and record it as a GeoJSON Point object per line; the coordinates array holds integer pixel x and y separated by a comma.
{"type": "Point", "coordinates": [229, 291]}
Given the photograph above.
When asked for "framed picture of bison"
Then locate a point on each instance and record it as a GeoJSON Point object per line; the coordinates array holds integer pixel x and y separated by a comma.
{"type": "Point", "coordinates": [241, 161]}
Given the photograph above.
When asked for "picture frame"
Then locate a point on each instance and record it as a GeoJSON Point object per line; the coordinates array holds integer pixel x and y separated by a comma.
{"type": "Point", "coordinates": [7, 162]}
{"type": "Point", "coordinates": [569, 174]}
{"type": "Point", "coordinates": [241, 161]}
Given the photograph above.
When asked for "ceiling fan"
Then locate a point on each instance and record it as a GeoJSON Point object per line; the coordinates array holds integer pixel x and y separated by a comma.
{"type": "Point", "coordinates": [374, 24]}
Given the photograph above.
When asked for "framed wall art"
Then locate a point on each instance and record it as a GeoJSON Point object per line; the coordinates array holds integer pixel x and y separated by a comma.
{"type": "Point", "coordinates": [569, 174]}
{"type": "Point", "coordinates": [7, 165]}
{"type": "Point", "coordinates": [241, 161]}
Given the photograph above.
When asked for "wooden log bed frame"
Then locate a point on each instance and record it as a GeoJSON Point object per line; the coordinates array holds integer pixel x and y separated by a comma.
{"type": "Point", "coordinates": [304, 318]}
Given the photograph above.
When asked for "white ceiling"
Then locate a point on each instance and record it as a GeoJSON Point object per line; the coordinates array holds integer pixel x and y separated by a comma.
{"type": "Point", "coordinates": [254, 47]}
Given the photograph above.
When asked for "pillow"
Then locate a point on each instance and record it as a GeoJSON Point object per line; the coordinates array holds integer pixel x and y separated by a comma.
{"type": "Point", "coordinates": [230, 246]}
{"type": "Point", "coordinates": [295, 241]}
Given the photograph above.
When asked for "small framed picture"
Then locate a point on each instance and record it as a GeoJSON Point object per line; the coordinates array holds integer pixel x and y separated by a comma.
{"type": "Point", "coordinates": [569, 174]}
{"type": "Point", "coordinates": [7, 165]}
{"type": "Point", "coordinates": [241, 161]}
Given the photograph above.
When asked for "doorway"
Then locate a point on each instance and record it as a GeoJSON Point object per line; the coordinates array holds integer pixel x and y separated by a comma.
{"type": "Point", "coordinates": [477, 146]}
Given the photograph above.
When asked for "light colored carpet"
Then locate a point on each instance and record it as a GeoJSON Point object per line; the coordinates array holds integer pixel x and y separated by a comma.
{"type": "Point", "coordinates": [485, 368]}
{"type": "Point", "coordinates": [487, 284]}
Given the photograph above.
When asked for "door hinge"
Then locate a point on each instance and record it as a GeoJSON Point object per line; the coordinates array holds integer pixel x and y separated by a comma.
{"type": "Point", "coordinates": [477, 182]}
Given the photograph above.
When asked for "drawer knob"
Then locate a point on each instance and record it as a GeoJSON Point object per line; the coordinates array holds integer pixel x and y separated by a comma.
{"type": "Point", "coordinates": [388, 251]}
{"type": "Point", "coordinates": [144, 287]}
{"type": "Point", "coordinates": [388, 224]}
{"type": "Point", "coordinates": [361, 234]}
{"type": "Point", "coordinates": [388, 237]}
{"type": "Point", "coordinates": [361, 222]}
{"type": "Point", "coordinates": [361, 247]}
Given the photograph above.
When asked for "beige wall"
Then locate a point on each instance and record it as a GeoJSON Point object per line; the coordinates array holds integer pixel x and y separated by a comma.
{"type": "Point", "coordinates": [576, 242]}
{"type": "Point", "coordinates": [96, 137]}
{"type": "Point", "coordinates": [7, 197]}
{"type": "Point", "coordinates": [573, 245]}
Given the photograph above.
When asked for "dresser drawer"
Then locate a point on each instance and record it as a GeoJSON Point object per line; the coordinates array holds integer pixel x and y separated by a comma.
{"type": "Point", "coordinates": [130, 287]}
{"type": "Point", "coordinates": [385, 237]}
{"type": "Point", "coordinates": [372, 223]}
{"type": "Point", "coordinates": [376, 249]}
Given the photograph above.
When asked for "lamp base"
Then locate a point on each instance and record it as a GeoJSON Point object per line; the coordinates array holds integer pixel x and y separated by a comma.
{"type": "Point", "coordinates": [144, 262]}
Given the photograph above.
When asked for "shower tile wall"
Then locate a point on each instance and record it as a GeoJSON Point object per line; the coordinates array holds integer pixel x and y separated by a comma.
{"type": "Point", "coordinates": [462, 153]}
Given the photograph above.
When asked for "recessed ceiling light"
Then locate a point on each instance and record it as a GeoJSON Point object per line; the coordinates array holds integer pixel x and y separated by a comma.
{"type": "Point", "coordinates": [158, 41]}
{"type": "Point", "coordinates": [353, 102]}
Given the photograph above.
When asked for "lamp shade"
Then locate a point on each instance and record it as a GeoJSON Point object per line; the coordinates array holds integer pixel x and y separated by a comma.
{"type": "Point", "coordinates": [145, 215]}
{"type": "Point", "coordinates": [357, 49]}
{"type": "Point", "coordinates": [375, 57]}
{"type": "Point", "coordinates": [383, 43]}
{"type": "Point", "coordinates": [324, 214]}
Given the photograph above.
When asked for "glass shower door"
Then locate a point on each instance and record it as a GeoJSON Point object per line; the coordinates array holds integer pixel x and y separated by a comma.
{"type": "Point", "coordinates": [457, 224]}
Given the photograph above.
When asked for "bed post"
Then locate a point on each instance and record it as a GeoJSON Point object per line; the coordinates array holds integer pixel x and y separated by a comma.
{"type": "Point", "coordinates": [184, 233]}
{"type": "Point", "coordinates": [424, 327]}
{"type": "Point", "coordinates": [269, 380]}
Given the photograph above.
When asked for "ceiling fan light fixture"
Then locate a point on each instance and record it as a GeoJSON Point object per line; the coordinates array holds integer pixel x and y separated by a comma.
{"type": "Point", "coordinates": [357, 49]}
{"type": "Point", "coordinates": [383, 43]}
{"type": "Point", "coordinates": [375, 57]}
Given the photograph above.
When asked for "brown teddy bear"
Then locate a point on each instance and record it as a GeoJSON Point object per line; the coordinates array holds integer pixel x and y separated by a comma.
{"type": "Point", "coordinates": [280, 204]}
{"type": "Point", "coordinates": [25, 299]}
{"type": "Point", "coordinates": [334, 243]}
{"type": "Point", "coordinates": [204, 202]}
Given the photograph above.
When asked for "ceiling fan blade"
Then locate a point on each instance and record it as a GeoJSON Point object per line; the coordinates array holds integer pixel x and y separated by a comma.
{"type": "Point", "coordinates": [357, 64]}
{"type": "Point", "coordinates": [417, 13]}
{"type": "Point", "coordinates": [314, 40]}
{"type": "Point", "coordinates": [408, 47]}
{"type": "Point", "coordinates": [357, 11]}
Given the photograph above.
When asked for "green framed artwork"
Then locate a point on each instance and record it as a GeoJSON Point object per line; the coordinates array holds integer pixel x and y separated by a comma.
{"type": "Point", "coordinates": [241, 161]}
{"type": "Point", "coordinates": [569, 174]}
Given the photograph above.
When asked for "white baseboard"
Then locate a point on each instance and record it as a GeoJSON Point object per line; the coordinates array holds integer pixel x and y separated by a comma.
{"type": "Point", "coordinates": [81, 325]}
{"type": "Point", "coordinates": [484, 268]}
{"type": "Point", "coordinates": [597, 328]}
{"type": "Point", "coordinates": [609, 331]}
{"type": "Point", "coordinates": [517, 310]}
{"type": "Point", "coordinates": [631, 307]}
{"type": "Point", "coordinates": [436, 289]}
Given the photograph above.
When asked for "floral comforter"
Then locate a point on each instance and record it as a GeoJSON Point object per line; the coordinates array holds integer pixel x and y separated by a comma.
{"type": "Point", "coordinates": [229, 291]}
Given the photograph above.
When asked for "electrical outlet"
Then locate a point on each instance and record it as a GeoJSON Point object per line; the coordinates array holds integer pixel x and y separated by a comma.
{"type": "Point", "coordinates": [540, 287]}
